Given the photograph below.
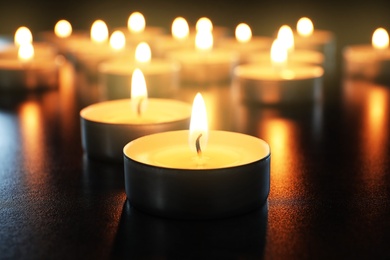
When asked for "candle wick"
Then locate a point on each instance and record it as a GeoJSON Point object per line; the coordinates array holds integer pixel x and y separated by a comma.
{"type": "Point", "coordinates": [139, 106]}
{"type": "Point", "coordinates": [197, 144]}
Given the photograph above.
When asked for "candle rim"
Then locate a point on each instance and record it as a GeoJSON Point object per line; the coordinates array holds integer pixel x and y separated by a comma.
{"type": "Point", "coordinates": [84, 112]}
{"type": "Point", "coordinates": [260, 159]}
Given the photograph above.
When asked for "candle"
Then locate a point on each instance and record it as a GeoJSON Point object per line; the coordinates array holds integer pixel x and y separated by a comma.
{"type": "Point", "coordinates": [285, 35]}
{"type": "Point", "coordinates": [369, 62]}
{"type": "Point", "coordinates": [197, 174]}
{"type": "Point", "coordinates": [137, 31]}
{"type": "Point", "coordinates": [307, 37]}
{"type": "Point", "coordinates": [278, 83]}
{"type": "Point", "coordinates": [28, 65]}
{"type": "Point", "coordinates": [88, 53]}
{"type": "Point", "coordinates": [205, 65]}
{"type": "Point", "coordinates": [107, 126]}
{"type": "Point", "coordinates": [244, 43]}
{"type": "Point", "coordinates": [161, 75]}
{"type": "Point", "coordinates": [180, 38]}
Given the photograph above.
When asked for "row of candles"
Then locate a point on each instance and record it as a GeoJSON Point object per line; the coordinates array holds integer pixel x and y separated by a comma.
{"type": "Point", "coordinates": [202, 179]}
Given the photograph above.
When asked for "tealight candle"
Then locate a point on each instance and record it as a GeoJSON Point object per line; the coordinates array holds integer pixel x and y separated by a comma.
{"type": "Point", "coordinates": [137, 31]}
{"type": "Point", "coordinates": [285, 35]}
{"type": "Point", "coordinates": [278, 83]}
{"type": "Point", "coordinates": [307, 37]}
{"type": "Point", "coordinates": [180, 38]}
{"type": "Point", "coordinates": [369, 62]}
{"type": "Point", "coordinates": [205, 65]}
{"type": "Point", "coordinates": [28, 66]}
{"type": "Point", "coordinates": [197, 174]}
{"type": "Point", "coordinates": [162, 76]}
{"type": "Point", "coordinates": [107, 126]}
{"type": "Point", "coordinates": [89, 53]}
{"type": "Point", "coordinates": [244, 43]}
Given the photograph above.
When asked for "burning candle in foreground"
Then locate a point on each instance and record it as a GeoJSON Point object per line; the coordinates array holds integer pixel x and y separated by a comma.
{"type": "Point", "coordinates": [200, 174]}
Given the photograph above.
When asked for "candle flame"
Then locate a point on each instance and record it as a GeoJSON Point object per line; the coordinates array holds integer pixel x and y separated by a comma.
{"type": "Point", "coordinates": [26, 52]}
{"type": "Point", "coordinates": [99, 31]}
{"type": "Point", "coordinates": [63, 29]}
{"type": "Point", "coordinates": [286, 36]}
{"type": "Point", "coordinates": [143, 53]}
{"type": "Point", "coordinates": [117, 40]}
{"type": "Point", "coordinates": [139, 92]}
{"type": "Point", "coordinates": [204, 24]}
{"type": "Point", "coordinates": [198, 134]}
{"type": "Point", "coordinates": [380, 39]}
{"type": "Point", "coordinates": [305, 27]}
{"type": "Point", "coordinates": [243, 33]}
{"type": "Point", "coordinates": [279, 54]}
{"type": "Point", "coordinates": [180, 29]}
{"type": "Point", "coordinates": [136, 22]}
{"type": "Point", "coordinates": [23, 35]}
{"type": "Point", "coordinates": [204, 40]}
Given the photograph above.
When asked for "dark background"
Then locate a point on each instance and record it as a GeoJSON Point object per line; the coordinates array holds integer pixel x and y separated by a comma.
{"type": "Point", "coordinates": [352, 21]}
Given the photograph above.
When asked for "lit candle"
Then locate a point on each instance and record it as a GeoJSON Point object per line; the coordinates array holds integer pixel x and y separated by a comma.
{"type": "Point", "coordinates": [286, 37]}
{"type": "Point", "coordinates": [107, 126]}
{"type": "Point", "coordinates": [180, 38]}
{"type": "Point", "coordinates": [205, 64]}
{"type": "Point", "coordinates": [161, 75]}
{"type": "Point", "coordinates": [244, 43]}
{"type": "Point", "coordinates": [88, 53]}
{"type": "Point", "coordinates": [197, 174]}
{"type": "Point", "coordinates": [370, 62]}
{"type": "Point", "coordinates": [204, 23]}
{"type": "Point", "coordinates": [278, 82]}
{"type": "Point", "coordinates": [307, 37]}
{"type": "Point", "coordinates": [28, 65]}
{"type": "Point", "coordinates": [137, 30]}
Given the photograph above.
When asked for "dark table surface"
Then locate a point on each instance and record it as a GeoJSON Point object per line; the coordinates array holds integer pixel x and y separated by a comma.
{"type": "Point", "coordinates": [330, 181]}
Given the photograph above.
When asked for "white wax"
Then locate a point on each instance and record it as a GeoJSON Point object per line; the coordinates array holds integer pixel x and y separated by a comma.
{"type": "Point", "coordinates": [318, 38]}
{"type": "Point", "coordinates": [158, 111]}
{"type": "Point", "coordinates": [171, 150]}
{"type": "Point", "coordinates": [268, 73]}
{"type": "Point", "coordinates": [365, 54]}
{"type": "Point", "coordinates": [205, 67]}
{"type": "Point", "coordinates": [297, 56]}
{"type": "Point", "coordinates": [148, 35]}
{"type": "Point", "coordinates": [256, 43]}
{"type": "Point", "coordinates": [126, 67]}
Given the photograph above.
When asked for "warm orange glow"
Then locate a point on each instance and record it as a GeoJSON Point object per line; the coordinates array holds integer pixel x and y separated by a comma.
{"type": "Point", "coordinates": [143, 53]}
{"type": "Point", "coordinates": [26, 52]}
{"type": "Point", "coordinates": [139, 92]}
{"type": "Point", "coordinates": [243, 33]}
{"type": "Point", "coordinates": [23, 35]}
{"type": "Point", "coordinates": [286, 36]}
{"type": "Point", "coordinates": [99, 32]}
{"type": "Point", "coordinates": [136, 22]}
{"type": "Point", "coordinates": [305, 27]}
{"type": "Point", "coordinates": [204, 24]}
{"type": "Point", "coordinates": [117, 40]}
{"type": "Point", "coordinates": [204, 40]}
{"type": "Point", "coordinates": [278, 54]}
{"type": "Point", "coordinates": [198, 123]}
{"type": "Point", "coordinates": [376, 110]}
{"type": "Point", "coordinates": [180, 28]}
{"type": "Point", "coordinates": [380, 39]}
{"type": "Point", "coordinates": [63, 29]}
